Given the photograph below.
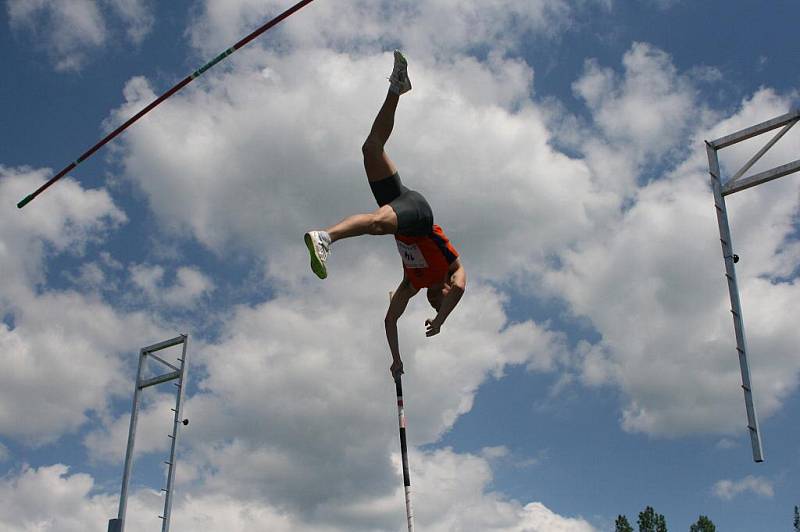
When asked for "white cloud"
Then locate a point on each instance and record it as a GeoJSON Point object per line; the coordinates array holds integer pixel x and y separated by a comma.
{"type": "Point", "coordinates": [189, 285]}
{"type": "Point", "coordinates": [301, 384]}
{"type": "Point", "coordinates": [52, 498]}
{"type": "Point", "coordinates": [137, 15]}
{"type": "Point", "coordinates": [267, 158]}
{"type": "Point", "coordinates": [108, 444]}
{"type": "Point", "coordinates": [642, 116]}
{"type": "Point", "coordinates": [250, 159]}
{"type": "Point", "coordinates": [41, 499]}
{"type": "Point", "coordinates": [651, 282]}
{"type": "Point", "coordinates": [72, 29]}
{"type": "Point", "coordinates": [442, 28]}
{"type": "Point", "coordinates": [61, 357]}
{"type": "Point", "coordinates": [727, 443]}
{"type": "Point", "coordinates": [729, 489]}
{"type": "Point", "coordinates": [450, 493]}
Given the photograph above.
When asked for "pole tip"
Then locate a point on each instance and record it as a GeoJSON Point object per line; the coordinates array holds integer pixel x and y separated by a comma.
{"type": "Point", "coordinates": [25, 201]}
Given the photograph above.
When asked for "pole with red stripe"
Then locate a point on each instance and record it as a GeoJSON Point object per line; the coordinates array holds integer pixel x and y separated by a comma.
{"type": "Point", "coordinates": [188, 79]}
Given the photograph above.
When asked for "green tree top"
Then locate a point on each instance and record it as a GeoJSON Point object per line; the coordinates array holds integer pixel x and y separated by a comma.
{"type": "Point", "coordinates": [703, 524]}
{"type": "Point", "coordinates": [622, 524]}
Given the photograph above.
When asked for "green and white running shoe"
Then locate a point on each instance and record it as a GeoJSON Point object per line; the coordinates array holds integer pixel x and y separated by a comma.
{"type": "Point", "coordinates": [400, 84]}
{"type": "Point", "coordinates": [319, 248]}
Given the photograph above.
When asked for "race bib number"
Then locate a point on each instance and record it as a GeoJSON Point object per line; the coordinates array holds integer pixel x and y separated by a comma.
{"type": "Point", "coordinates": [411, 254]}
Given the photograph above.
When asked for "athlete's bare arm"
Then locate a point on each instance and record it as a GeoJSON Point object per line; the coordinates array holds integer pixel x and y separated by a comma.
{"type": "Point", "coordinates": [454, 289]}
{"type": "Point", "coordinates": [397, 306]}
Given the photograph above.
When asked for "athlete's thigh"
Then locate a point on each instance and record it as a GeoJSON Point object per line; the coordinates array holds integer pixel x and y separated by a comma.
{"type": "Point", "coordinates": [378, 165]}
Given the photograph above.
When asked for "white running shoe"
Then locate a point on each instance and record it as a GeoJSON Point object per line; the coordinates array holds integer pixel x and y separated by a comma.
{"type": "Point", "coordinates": [400, 84]}
{"type": "Point", "coordinates": [319, 248]}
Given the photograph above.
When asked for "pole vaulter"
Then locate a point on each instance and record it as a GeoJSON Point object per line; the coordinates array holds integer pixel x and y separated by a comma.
{"type": "Point", "coordinates": [196, 74]}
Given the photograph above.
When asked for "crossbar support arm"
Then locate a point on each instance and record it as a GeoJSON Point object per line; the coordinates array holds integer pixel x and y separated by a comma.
{"type": "Point", "coordinates": [758, 129]}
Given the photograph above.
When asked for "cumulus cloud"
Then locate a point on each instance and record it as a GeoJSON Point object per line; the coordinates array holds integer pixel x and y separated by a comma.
{"type": "Point", "coordinates": [729, 489]}
{"type": "Point", "coordinates": [300, 171]}
{"type": "Point", "coordinates": [642, 115]}
{"type": "Point", "coordinates": [651, 282]}
{"type": "Point", "coordinates": [72, 30]}
{"type": "Point", "coordinates": [440, 28]}
{"type": "Point", "coordinates": [453, 496]}
{"type": "Point", "coordinates": [56, 338]}
{"type": "Point", "coordinates": [108, 443]}
{"type": "Point", "coordinates": [298, 390]}
{"type": "Point", "coordinates": [190, 284]}
{"type": "Point", "coordinates": [52, 497]}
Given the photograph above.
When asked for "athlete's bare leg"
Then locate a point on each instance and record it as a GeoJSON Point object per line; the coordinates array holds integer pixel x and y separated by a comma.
{"type": "Point", "coordinates": [377, 163]}
{"type": "Point", "coordinates": [378, 166]}
{"type": "Point", "coordinates": [382, 221]}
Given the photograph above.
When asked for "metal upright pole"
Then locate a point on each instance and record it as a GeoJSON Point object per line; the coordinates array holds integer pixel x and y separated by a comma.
{"type": "Point", "coordinates": [736, 307]}
{"type": "Point", "coordinates": [404, 451]}
{"type": "Point", "coordinates": [119, 526]}
{"type": "Point", "coordinates": [176, 425]}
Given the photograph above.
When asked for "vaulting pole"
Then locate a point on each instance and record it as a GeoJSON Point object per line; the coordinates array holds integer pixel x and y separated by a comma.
{"type": "Point", "coordinates": [398, 384]}
{"type": "Point", "coordinates": [196, 74]}
{"type": "Point", "coordinates": [404, 452]}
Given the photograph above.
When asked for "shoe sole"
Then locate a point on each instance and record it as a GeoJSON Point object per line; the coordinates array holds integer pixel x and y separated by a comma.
{"type": "Point", "coordinates": [316, 265]}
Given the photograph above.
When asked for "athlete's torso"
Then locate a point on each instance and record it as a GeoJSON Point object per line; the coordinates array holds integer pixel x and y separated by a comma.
{"type": "Point", "coordinates": [426, 259]}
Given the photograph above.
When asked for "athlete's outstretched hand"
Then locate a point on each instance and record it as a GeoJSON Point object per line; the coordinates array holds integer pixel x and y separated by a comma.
{"type": "Point", "coordinates": [432, 328]}
{"type": "Point", "coordinates": [396, 368]}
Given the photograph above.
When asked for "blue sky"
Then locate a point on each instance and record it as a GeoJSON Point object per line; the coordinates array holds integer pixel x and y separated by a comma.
{"type": "Point", "coordinates": [590, 369]}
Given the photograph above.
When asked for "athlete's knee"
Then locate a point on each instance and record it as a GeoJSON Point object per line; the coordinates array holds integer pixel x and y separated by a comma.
{"type": "Point", "coordinates": [380, 224]}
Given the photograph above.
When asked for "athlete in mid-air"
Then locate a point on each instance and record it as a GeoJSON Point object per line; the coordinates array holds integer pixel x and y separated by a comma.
{"type": "Point", "coordinates": [429, 259]}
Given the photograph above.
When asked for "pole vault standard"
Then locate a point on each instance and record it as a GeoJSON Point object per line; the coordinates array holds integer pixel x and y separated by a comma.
{"type": "Point", "coordinates": [398, 384]}
{"type": "Point", "coordinates": [196, 74]}
{"type": "Point", "coordinates": [722, 188]}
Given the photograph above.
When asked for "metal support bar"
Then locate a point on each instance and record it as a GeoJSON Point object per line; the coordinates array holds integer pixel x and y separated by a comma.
{"type": "Point", "coordinates": [158, 380]}
{"type": "Point", "coordinates": [754, 131]}
{"type": "Point", "coordinates": [736, 310]}
{"type": "Point", "coordinates": [762, 177]}
{"type": "Point", "coordinates": [749, 164]}
{"type": "Point", "coordinates": [175, 426]}
{"type": "Point", "coordinates": [163, 361]}
{"type": "Point", "coordinates": [165, 344]}
{"type": "Point", "coordinates": [126, 474]}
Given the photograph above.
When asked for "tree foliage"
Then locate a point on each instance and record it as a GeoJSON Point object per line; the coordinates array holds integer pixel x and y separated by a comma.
{"type": "Point", "coordinates": [650, 521]}
{"type": "Point", "coordinates": [796, 519]}
{"type": "Point", "coordinates": [703, 524]}
{"type": "Point", "coordinates": [622, 524]}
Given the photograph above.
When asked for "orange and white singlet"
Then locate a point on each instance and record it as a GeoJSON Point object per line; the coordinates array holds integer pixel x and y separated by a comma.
{"type": "Point", "coordinates": [426, 259]}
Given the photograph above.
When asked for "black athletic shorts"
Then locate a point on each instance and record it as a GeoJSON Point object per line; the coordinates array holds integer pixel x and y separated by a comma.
{"type": "Point", "coordinates": [414, 215]}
